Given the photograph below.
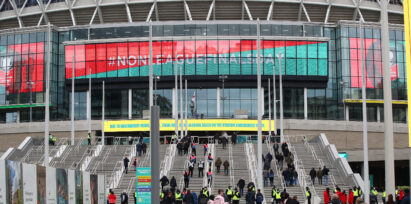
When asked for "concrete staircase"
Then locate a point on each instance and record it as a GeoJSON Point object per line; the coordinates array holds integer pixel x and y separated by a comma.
{"type": "Point", "coordinates": [311, 156]}
{"type": "Point", "coordinates": [180, 165]}
{"type": "Point", "coordinates": [220, 180]}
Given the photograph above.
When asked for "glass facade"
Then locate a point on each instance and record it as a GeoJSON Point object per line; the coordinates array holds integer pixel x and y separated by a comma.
{"type": "Point", "coordinates": [327, 65]}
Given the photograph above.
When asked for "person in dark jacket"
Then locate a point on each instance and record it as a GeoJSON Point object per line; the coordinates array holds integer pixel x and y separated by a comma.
{"type": "Point", "coordinates": [164, 182]}
{"type": "Point", "coordinates": [188, 198]}
{"type": "Point", "coordinates": [124, 198]}
{"type": "Point", "coordinates": [251, 186]}
{"type": "Point", "coordinates": [170, 199]}
{"type": "Point", "coordinates": [125, 162]}
{"type": "Point", "coordinates": [202, 199]}
{"type": "Point", "coordinates": [138, 147]}
{"type": "Point", "coordinates": [179, 148]}
{"type": "Point", "coordinates": [276, 147]}
{"type": "Point", "coordinates": [313, 174]}
{"type": "Point", "coordinates": [250, 197]}
{"type": "Point", "coordinates": [240, 185]}
{"type": "Point", "coordinates": [280, 160]}
{"type": "Point", "coordinates": [186, 179]}
{"type": "Point", "coordinates": [259, 197]}
{"type": "Point", "coordinates": [173, 184]}
{"type": "Point", "coordinates": [144, 147]}
{"type": "Point", "coordinates": [406, 198]}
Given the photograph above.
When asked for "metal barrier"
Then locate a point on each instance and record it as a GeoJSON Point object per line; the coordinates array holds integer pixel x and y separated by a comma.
{"type": "Point", "coordinates": [340, 163]}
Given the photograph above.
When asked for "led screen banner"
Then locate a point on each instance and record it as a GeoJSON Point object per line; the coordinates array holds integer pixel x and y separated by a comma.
{"type": "Point", "coordinates": [193, 125]}
{"type": "Point", "coordinates": [407, 33]}
{"type": "Point", "coordinates": [143, 185]}
{"type": "Point", "coordinates": [200, 57]}
{"type": "Point", "coordinates": [19, 65]}
{"type": "Point", "coordinates": [373, 63]}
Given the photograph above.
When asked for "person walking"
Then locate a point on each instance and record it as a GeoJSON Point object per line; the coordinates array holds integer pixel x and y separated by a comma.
{"type": "Point", "coordinates": [226, 165]}
{"type": "Point", "coordinates": [259, 197]}
{"type": "Point", "coordinates": [276, 147]}
{"type": "Point", "coordinates": [351, 197]}
{"type": "Point", "coordinates": [218, 164]}
{"type": "Point", "coordinates": [191, 168]}
{"type": "Point", "coordinates": [240, 185]}
{"type": "Point", "coordinates": [201, 168]}
{"type": "Point", "coordinates": [294, 177]}
{"type": "Point", "coordinates": [325, 175]}
{"type": "Point", "coordinates": [266, 174]}
{"type": "Point", "coordinates": [326, 195]}
{"type": "Point", "coordinates": [205, 148]}
{"type": "Point", "coordinates": [209, 159]}
{"type": "Point", "coordinates": [280, 159]}
{"type": "Point", "coordinates": [193, 148]}
{"type": "Point", "coordinates": [138, 148]}
{"type": "Point", "coordinates": [250, 197]}
{"type": "Point", "coordinates": [271, 177]}
{"type": "Point", "coordinates": [320, 176]}
{"type": "Point", "coordinates": [313, 174]}
{"type": "Point", "coordinates": [219, 199]}
{"type": "Point", "coordinates": [144, 148]}
{"type": "Point", "coordinates": [308, 195]}
{"type": "Point", "coordinates": [164, 181]}
{"type": "Point", "coordinates": [180, 148]}
{"type": "Point", "coordinates": [186, 179]}
{"type": "Point", "coordinates": [188, 198]}
{"type": "Point", "coordinates": [173, 184]}
{"type": "Point", "coordinates": [209, 177]}
{"type": "Point", "coordinates": [124, 198]}
{"type": "Point", "coordinates": [111, 197]}
{"type": "Point", "coordinates": [236, 196]}
{"type": "Point", "coordinates": [125, 162]}
{"type": "Point", "coordinates": [135, 163]}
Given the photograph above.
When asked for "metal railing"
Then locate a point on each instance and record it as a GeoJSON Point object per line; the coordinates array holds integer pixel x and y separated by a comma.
{"type": "Point", "coordinates": [277, 171]}
{"type": "Point", "coordinates": [230, 156]}
{"type": "Point", "coordinates": [299, 166]}
{"type": "Point", "coordinates": [168, 160]}
{"type": "Point", "coordinates": [252, 164]}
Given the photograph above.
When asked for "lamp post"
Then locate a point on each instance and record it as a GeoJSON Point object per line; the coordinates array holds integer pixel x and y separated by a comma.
{"type": "Point", "coordinates": [156, 78]}
{"type": "Point", "coordinates": [279, 56]}
{"type": "Point", "coordinates": [31, 83]}
{"type": "Point", "coordinates": [223, 78]}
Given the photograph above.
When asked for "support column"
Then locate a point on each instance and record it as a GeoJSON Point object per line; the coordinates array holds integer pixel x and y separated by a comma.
{"type": "Point", "coordinates": [262, 102]}
{"type": "Point", "coordinates": [218, 102]}
{"type": "Point", "coordinates": [130, 104]}
{"type": "Point", "coordinates": [406, 116]}
{"type": "Point", "coordinates": [378, 114]}
{"type": "Point", "coordinates": [174, 106]}
{"type": "Point", "coordinates": [18, 117]}
{"type": "Point", "coordinates": [305, 104]}
{"type": "Point", "coordinates": [347, 113]}
{"type": "Point", "coordinates": [388, 122]}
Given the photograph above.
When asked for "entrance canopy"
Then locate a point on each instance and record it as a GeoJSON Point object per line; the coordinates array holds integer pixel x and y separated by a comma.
{"type": "Point", "coordinates": [193, 125]}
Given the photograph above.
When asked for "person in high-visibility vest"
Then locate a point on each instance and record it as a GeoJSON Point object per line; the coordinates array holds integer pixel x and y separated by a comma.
{"type": "Point", "coordinates": [89, 138]}
{"type": "Point", "coordinates": [278, 197]}
{"type": "Point", "coordinates": [205, 191]}
{"type": "Point", "coordinates": [355, 192]}
{"type": "Point", "coordinates": [308, 195]}
{"type": "Point", "coordinates": [135, 197]}
{"type": "Point", "coordinates": [161, 195]}
{"type": "Point", "coordinates": [384, 195]}
{"type": "Point", "coordinates": [374, 191]}
{"type": "Point", "coordinates": [273, 192]}
{"type": "Point", "coordinates": [229, 193]}
{"type": "Point", "coordinates": [173, 138]}
{"type": "Point", "coordinates": [236, 196]}
{"type": "Point", "coordinates": [179, 197]}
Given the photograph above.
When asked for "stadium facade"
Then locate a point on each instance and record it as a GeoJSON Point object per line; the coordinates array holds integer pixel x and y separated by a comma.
{"type": "Point", "coordinates": [317, 42]}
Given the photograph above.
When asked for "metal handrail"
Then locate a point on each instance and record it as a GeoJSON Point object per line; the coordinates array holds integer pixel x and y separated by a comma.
{"type": "Point", "coordinates": [276, 166]}
{"type": "Point", "coordinates": [253, 165]}
{"type": "Point", "coordinates": [230, 147]}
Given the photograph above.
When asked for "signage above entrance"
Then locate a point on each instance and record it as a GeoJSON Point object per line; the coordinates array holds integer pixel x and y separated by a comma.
{"type": "Point", "coordinates": [193, 125]}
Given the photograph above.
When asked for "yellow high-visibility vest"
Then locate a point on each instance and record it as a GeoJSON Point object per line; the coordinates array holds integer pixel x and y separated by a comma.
{"type": "Point", "coordinates": [274, 192]}
{"type": "Point", "coordinates": [383, 194]}
{"type": "Point", "coordinates": [229, 192]}
{"type": "Point", "coordinates": [278, 196]}
{"type": "Point", "coordinates": [374, 192]}
{"type": "Point", "coordinates": [236, 196]}
{"type": "Point", "coordinates": [308, 194]}
{"type": "Point", "coordinates": [355, 193]}
{"type": "Point", "coordinates": [178, 197]}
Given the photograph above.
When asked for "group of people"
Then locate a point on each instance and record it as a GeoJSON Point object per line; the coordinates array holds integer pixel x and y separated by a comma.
{"type": "Point", "coordinates": [289, 173]}
{"type": "Point", "coordinates": [141, 148]}
{"type": "Point", "coordinates": [320, 174]}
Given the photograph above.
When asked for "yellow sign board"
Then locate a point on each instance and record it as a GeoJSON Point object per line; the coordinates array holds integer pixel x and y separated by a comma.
{"type": "Point", "coordinates": [374, 101]}
{"type": "Point", "coordinates": [193, 125]}
{"type": "Point", "coordinates": [407, 33]}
